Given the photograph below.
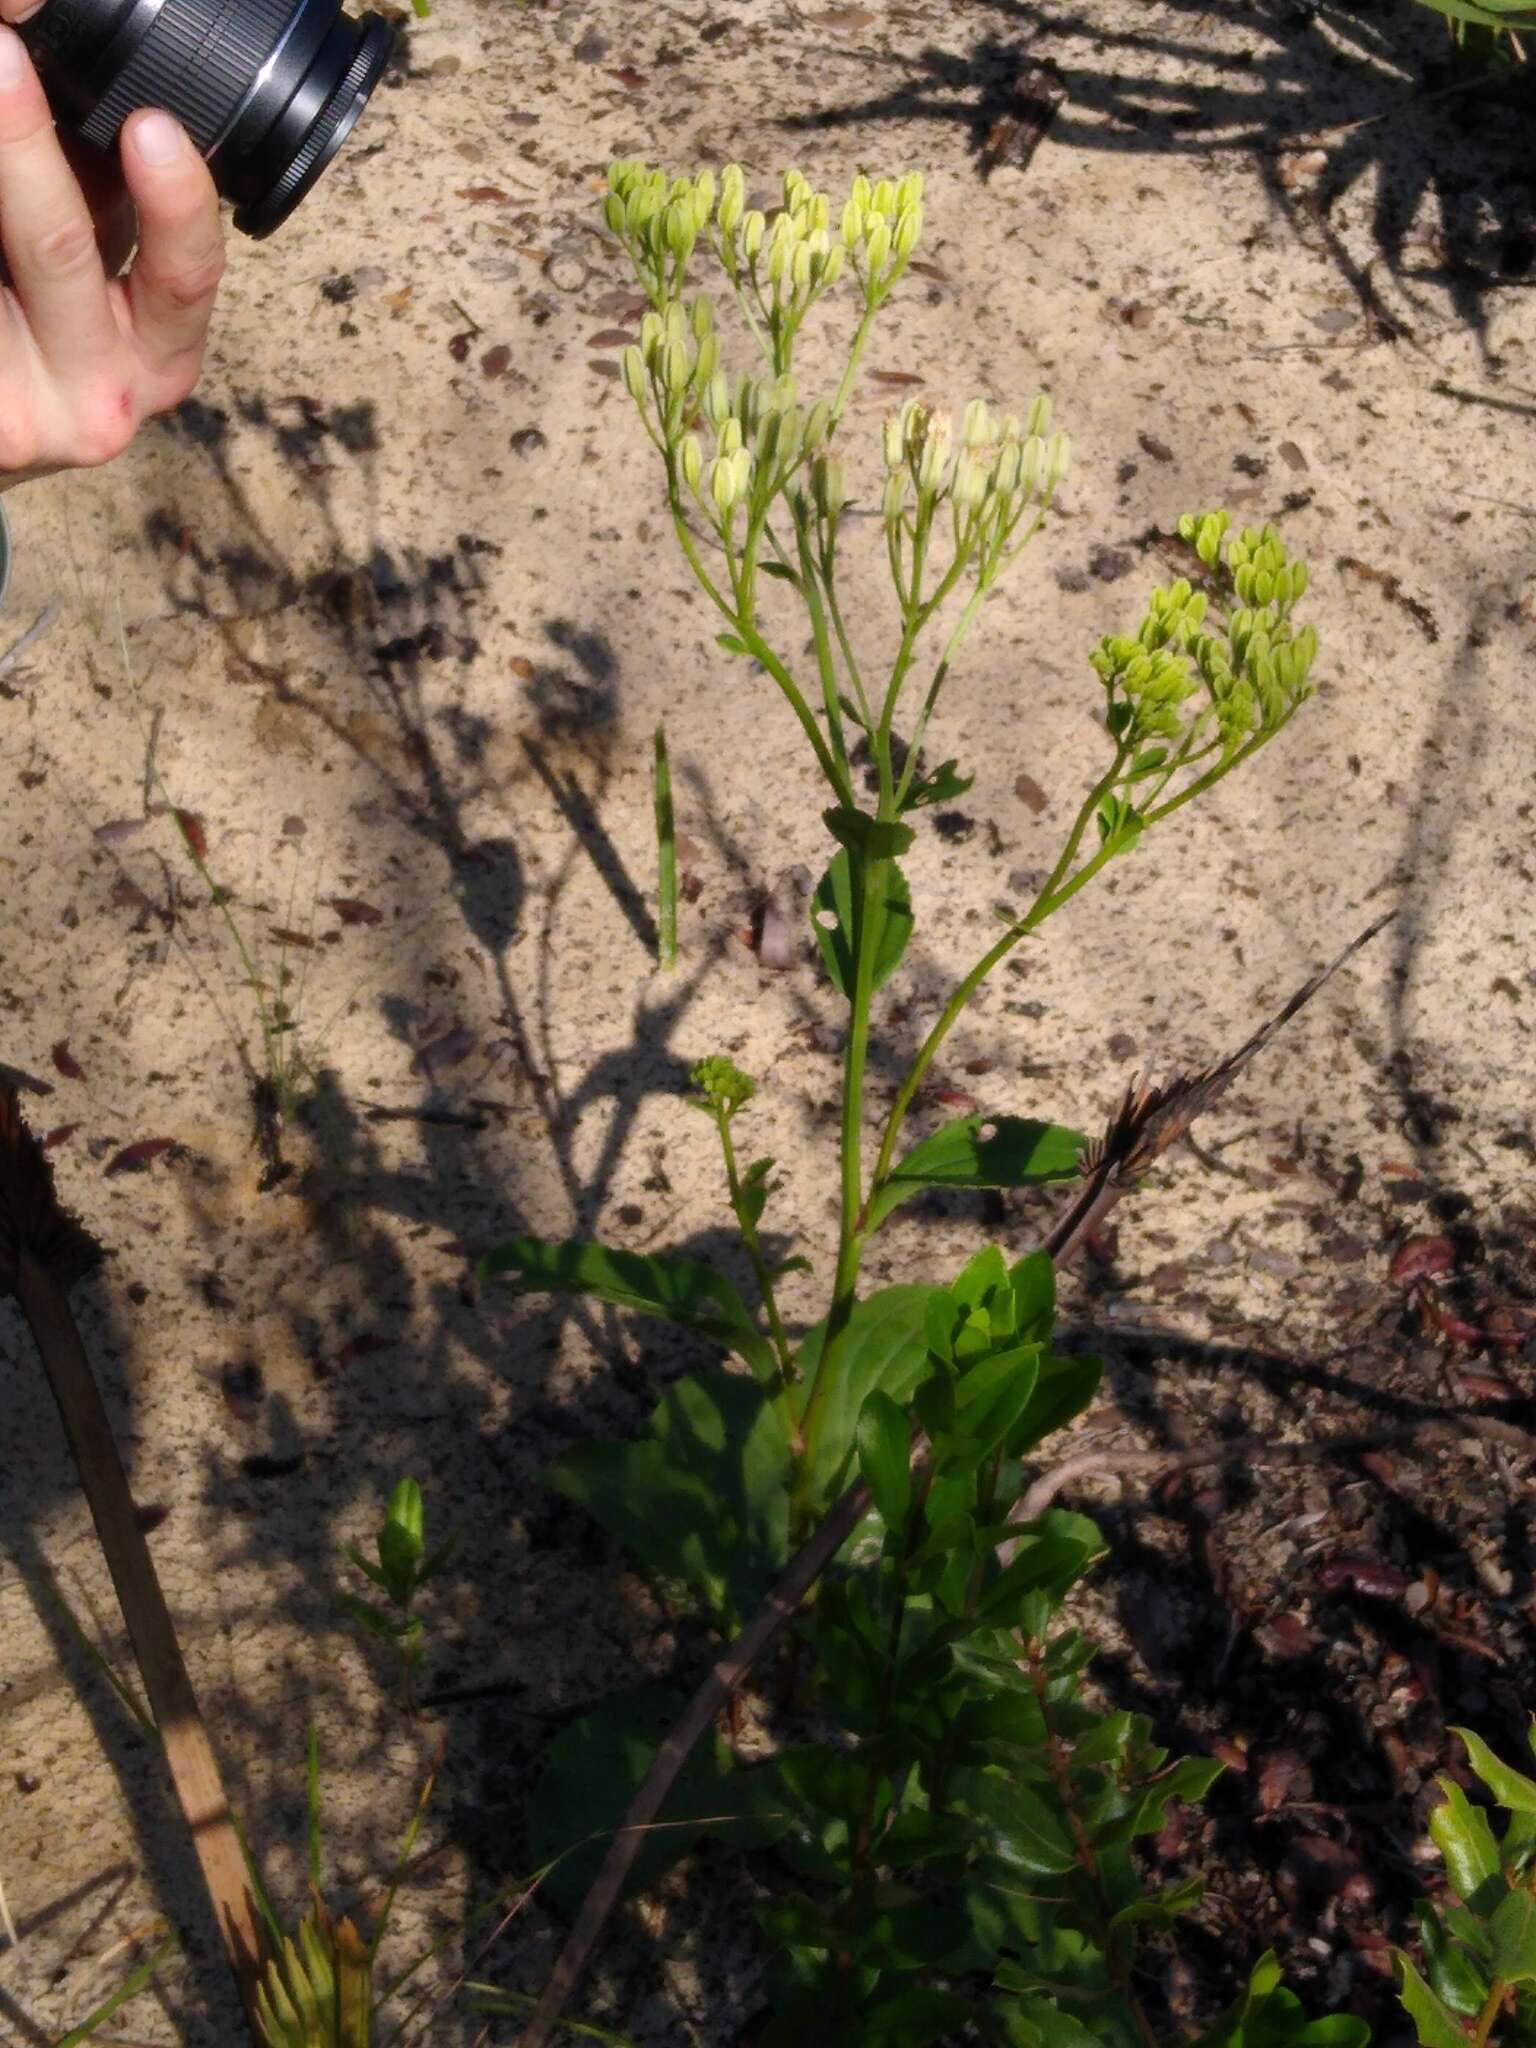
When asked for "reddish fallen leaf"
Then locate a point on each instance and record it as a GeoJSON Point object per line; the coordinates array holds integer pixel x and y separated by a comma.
{"type": "Point", "coordinates": [1030, 794]}
{"type": "Point", "coordinates": [1228, 1753]}
{"type": "Point", "coordinates": [896, 377]}
{"type": "Point", "coordinates": [1317, 1866]}
{"type": "Point", "coordinates": [446, 1051]}
{"type": "Point", "coordinates": [285, 937]}
{"type": "Point", "coordinates": [610, 337]}
{"type": "Point", "coordinates": [134, 1158]}
{"type": "Point", "coordinates": [1381, 1469]}
{"type": "Point", "coordinates": [150, 1516]}
{"type": "Point", "coordinates": [1483, 1386]}
{"type": "Point", "coordinates": [496, 361]}
{"type": "Point", "coordinates": [66, 1062]}
{"type": "Point", "coordinates": [1280, 1771]}
{"type": "Point", "coordinates": [458, 346]}
{"type": "Point", "coordinates": [483, 195]}
{"type": "Point", "coordinates": [953, 1098]}
{"type": "Point", "coordinates": [352, 911]}
{"type": "Point", "coordinates": [1370, 1576]}
{"type": "Point", "coordinates": [1422, 1256]}
{"type": "Point", "coordinates": [362, 1347]}
{"type": "Point", "coordinates": [521, 667]}
{"type": "Point", "coordinates": [59, 1135]}
{"type": "Point", "coordinates": [194, 832]}
{"type": "Point", "coordinates": [629, 77]}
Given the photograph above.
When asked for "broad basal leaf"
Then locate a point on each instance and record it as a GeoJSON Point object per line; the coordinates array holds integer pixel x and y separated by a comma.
{"type": "Point", "coordinates": [678, 1290]}
{"type": "Point", "coordinates": [982, 1152]}
{"type": "Point", "coordinates": [883, 1346]}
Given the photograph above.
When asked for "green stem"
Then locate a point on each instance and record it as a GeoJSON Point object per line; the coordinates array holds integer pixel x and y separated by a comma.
{"type": "Point", "coordinates": [826, 661]}
{"type": "Point", "coordinates": [764, 1277]}
{"type": "Point", "coordinates": [870, 877]}
{"type": "Point", "coordinates": [1491, 2007]}
{"type": "Point", "coordinates": [963, 626]}
{"type": "Point", "coordinates": [855, 358]}
{"type": "Point", "coordinates": [1057, 891]}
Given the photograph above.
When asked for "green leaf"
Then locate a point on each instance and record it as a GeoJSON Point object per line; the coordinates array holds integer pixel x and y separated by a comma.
{"type": "Point", "coordinates": [399, 1554]}
{"type": "Point", "coordinates": [371, 1618]}
{"type": "Point", "coordinates": [1021, 1830]}
{"type": "Point", "coordinates": [914, 2019]}
{"type": "Point", "coordinates": [942, 786]}
{"type": "Point", "coordinates": [702, 1497]}
{"type": "Point", "coordinates": [1461, 1833]}
{"type": "Point", "coordinates": [882, 1346]}
{"type": "Point", "coordinates": [1507, 1786]}
{"type": "Point", "coordinates": [407, 1513]}
{"type": "Point", "coordinates": [833, 902]}
{"type": "Point", "coordinates": [1161, 1910]}
{"type": "Point", "coordinates": [731, 643]}
{"type": "Point", "coordinates": [1434, 2022]}
{"type": "Point", "coordinates": [592, 1771]}
{"type": "Point", "coordinates": [982, 1152]}
{"type": "Point", "coordinates": [1034, 2022]}
{"type": "Point", "coordinates": [1454, 1976]}
{"type": "Point", "coordinates": [1063, 1390]}
{"type": "Point", "coordinates": [678, 1290]}
{"type": "Point", "coordinates": [874, 838]}
{"type": "Point", "coordinates": [885, 1449]}
{"type": "Point", "coordinates": [1513, 1927]}
{"type": "Point", "coordinates": [755, 1190]}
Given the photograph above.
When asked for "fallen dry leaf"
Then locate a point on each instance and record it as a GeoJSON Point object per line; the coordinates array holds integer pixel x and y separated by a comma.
{"type": "Point", "coordinates": [351, 910]}
{"type": "Point", "coordinates": [134, 1158]}
{"type": "Point", "coordinates": [66, 1063]}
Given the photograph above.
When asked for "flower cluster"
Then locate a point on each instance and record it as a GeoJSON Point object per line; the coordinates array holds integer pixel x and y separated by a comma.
{"type": "Point", "coordinates": [998, 469]}
{"type": "Point", "coordinates": [659, 221]}
{"type": "Point", "coordinates": [761, 434]}
{"type": "Point", "coordinates": [1254, 670]}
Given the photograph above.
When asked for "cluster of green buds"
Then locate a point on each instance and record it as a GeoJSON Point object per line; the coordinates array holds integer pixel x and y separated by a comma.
{"type": "Point", "coordinates": [659, 221]}
{"type": "Point", "coordinates": [721, 1087]}
{"type": "Point", "coordinates": [786, 263]}
{"type": "Point", "coordinates": [881, 225]}
{"type": "Point", "coordinates": [998, 470]}
{"type": "Point", "coordinates": [762, 435]}
{"type": "Point", "coordinates": [669, 370]}
{"type": "Point", "coordinates": [1252, 672]}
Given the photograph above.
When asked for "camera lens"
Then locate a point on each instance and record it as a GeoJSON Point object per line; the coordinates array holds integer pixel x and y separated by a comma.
{"type": "Point", "coordinates": [269, 90]}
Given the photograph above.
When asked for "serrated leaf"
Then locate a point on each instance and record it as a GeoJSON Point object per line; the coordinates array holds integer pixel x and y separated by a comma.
{"type": "Point", "coordinates": [1434, 2023]}
{"type": "Point", "coordinates": [982, 1152]}
{"type": "Point", "coordinates": [942, 786]}
{"type": "Point", "coordinates": [1508, 1786]}
{"type": "Point", "coordinates": [1453, 1974]}
{"type": "Point", "coordinates": [1461, 1833]}
{"type": "Point", "coordinates": [1513, 1928]}
{"type": "Point", "coordinates": [678, 1290]}
{"type": "Point", "coordinates": [833, 901]}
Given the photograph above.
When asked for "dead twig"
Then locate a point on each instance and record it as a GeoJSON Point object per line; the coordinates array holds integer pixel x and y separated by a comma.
{"type": "Point", "coordinates": [42, 1249]}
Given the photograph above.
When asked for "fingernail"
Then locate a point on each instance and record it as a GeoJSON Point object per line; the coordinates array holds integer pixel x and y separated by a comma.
{"type": "Point", "coordinates": [13, 59]}
{"type": "Point", "coordinates": [158, 139]}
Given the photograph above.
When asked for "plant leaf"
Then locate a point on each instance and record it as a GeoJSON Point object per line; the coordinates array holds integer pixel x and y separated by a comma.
{"type": "Point", "coordinates": [1434, 2022]}
{"type": "Point", "coordinates": [1507, 1786]}
{"type": "Point", "coordinates": [1513, 1927]}
{"type": "Point", "coordinates": [678, 1290]}
{"type": "Point", "coordinates": [883, 1346]}
{"type": "Point", "coordinates": [833, 901]}
{"type": "Point", "coordinates": [1461, 1833]}
{"type": "Point", "coordinates": [885, 1450]}
{"type": "Point", "coordinates": [982, 1152]}
{"type": "Point", "coordinates": [942, 786]}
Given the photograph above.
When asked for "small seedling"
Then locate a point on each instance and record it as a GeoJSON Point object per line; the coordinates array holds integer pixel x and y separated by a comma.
{"type": "Point", "coordinates": [401, 1573]}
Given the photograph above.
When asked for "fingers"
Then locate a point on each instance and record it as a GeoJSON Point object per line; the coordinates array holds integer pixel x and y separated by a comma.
{"type": "Point", "coordinates": [175, 278]}
{"type": "Point", "coordinates": [46, 227]}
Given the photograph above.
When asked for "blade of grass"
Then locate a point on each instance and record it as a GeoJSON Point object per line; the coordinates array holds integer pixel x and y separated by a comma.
{"type": "Point", "coordinates": [130, 1987]}
{"type": "Point", "coordinates": [666, 858]}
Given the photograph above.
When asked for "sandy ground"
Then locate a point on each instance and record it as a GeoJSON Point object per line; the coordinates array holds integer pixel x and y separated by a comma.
{"type": "Point", "coordinates": [391, 609]}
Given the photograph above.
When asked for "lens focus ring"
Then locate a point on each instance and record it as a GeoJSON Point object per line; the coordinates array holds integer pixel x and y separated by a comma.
{"type": "Point", "coordinates": [200, 58]}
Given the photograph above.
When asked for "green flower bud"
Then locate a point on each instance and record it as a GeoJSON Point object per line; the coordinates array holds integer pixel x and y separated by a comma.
{"type": "Point", "coordinates": [877, 248]}
{"type": "Point", "coordinates": [702, 318]}
{"type": "Point", "coordinates": [935, 452]}
{"type": "Point", "coordinates": [800, 268]}
{"type": "Point", "coordinates": [1010, 463]}
{"type": "Point", "coordinates": [977, 426]}
{"type": "Point", "coordinates": [1039, 420]}
{"type": "Point", "coordinates": [674, 367]}
{"type": "Point", "coordinates": [690, 459]}
{"type": "Point", "coordinates": [852, 224]}
{"type": "Point", "coordinates": [729, 438]}
{"type": "Point", "coordinates": [717, 399]}
{"type": "Point", "coordinates": [830, 486]}
{"type": "Point", "coordinates": [910, 191]}
{"type": "Point", "coordinates": [613, 213]}
{"type": "Point", "coordinates": [703, 196]}
{"type": "Point", "coordinates": [635, 380]}
{"type": "Point", "coordinates": [893, 500]}
{"type": "Point", "coordinates": [681, 232]}
{"type": "Point", "coordinates": [704, 365]}
{"type": "Point", "coordinates": [778, 259]}
{"type": "Point", "coordinates": [970, 481]}
{"type": "Point", "coordinates": [883, 198]}
{"type": "Point", "coordinates": [1058, 460]}
{"type": "Point", "coordinates": [1031, 463]}
{"type": "Point", "coordinates": [909, 226]}
{"type": "Point", "coordinates": [818, 421]}
{"type": "Point", "coordinates": [894, 437]}
{"type": "Point", "coordinates": [752, 230]}
{"type": "Point", "coordinates": [859, 193]}
{"type": "Point", "coordinates": [722, 485]}
{"type": "Point", "coordinates": [831, 266]}
{"type": "Point", "coordinates": [796, 191]}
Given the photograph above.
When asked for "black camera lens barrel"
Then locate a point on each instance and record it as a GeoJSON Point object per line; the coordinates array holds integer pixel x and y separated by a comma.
{"type": "Point", "coordinates": [269, 90]}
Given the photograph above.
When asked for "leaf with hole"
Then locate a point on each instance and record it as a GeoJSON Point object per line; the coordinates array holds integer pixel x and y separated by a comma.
{"type": "Point", "coordinates": [982, 1152]}
{"type": "Point", "coordinates": [678, 1290]}
{"type": "Point", "coordinates": [832, 922]}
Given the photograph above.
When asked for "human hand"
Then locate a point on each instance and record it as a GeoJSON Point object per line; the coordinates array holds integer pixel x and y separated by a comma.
{"type": "Point", "coordinates": [88, 354]}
